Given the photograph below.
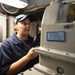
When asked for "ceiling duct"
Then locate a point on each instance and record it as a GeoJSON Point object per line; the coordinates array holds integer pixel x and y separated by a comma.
{"type": "Point", "coordinates": [34, 5]}
{"type": "Point", "coordinates": [12, 7]}
{"type": "Point", "coordinates": [8, 9]}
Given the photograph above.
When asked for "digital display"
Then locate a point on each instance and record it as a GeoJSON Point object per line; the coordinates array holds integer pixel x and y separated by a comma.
{"type": "Point", "coordinates": [56, 36]}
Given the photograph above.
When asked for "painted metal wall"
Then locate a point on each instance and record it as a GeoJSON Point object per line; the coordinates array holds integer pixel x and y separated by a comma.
{"type": "Point", "coordinates": [2, 27]}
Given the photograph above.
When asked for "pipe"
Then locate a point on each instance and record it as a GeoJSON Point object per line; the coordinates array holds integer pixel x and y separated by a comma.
{"type": "Point", "coordinates": [59, 1]}
{"type": "Point", "coordinates": [10, 11]}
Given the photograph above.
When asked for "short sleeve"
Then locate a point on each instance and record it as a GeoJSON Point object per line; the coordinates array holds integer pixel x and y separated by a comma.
{"type": "Point", "coordinates": [0, 64]}
{"type": "Point", "coordinates": [6, 57]}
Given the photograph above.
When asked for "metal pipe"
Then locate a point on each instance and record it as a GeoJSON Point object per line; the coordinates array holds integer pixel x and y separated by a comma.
{"type": "Point", "coordinates": [53, 0]}
{"type": "Point", "coordinates": [59, 1]}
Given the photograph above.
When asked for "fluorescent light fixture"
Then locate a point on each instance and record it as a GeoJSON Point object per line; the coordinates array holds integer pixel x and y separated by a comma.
{"type": "Point", "coordinates": [15, 3]}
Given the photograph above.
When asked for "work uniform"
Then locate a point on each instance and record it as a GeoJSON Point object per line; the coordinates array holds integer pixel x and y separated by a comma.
{"type": "Point", "coordinates": [12, 49]}
{"type": "Point", "coordinates": [0, 63]}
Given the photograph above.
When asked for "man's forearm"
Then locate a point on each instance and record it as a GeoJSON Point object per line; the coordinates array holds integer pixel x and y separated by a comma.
{"type": "Point", "coordinates": [17, 66]}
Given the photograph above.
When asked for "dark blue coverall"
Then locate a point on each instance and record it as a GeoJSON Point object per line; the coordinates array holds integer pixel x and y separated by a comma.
{"type": "Point", "coordinates": [12, 49]}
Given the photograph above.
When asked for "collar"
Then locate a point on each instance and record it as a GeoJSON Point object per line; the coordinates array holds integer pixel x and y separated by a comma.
{"type": "Point", "coordinates": [17, 41]}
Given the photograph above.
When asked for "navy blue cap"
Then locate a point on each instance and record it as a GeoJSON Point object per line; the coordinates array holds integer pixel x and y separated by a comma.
{"type": "Point", "coordinates": [20, 18]}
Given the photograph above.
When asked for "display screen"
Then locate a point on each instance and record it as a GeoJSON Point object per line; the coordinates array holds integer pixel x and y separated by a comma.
{"type": "Point", "coordinates": [56, 36]}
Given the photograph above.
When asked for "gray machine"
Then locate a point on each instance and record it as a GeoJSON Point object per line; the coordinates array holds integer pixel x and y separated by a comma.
{"type": "Point", "coordinates": [57, 49]}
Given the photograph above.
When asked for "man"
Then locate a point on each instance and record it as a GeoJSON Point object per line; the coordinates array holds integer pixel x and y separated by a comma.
{"type": "Point", "coordinates": [17, 52]}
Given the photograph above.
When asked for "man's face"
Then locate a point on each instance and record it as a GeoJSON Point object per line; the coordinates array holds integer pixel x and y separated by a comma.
{"type": "Point", "coordinates": [23, 27]}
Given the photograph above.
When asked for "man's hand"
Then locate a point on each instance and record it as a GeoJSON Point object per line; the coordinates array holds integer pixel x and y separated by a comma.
{"type": "Point", "coordinates": [31, 54]}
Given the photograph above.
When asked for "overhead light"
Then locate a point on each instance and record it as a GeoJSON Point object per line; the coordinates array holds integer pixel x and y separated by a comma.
{"type": "Point", "coordinates": [15, 3]}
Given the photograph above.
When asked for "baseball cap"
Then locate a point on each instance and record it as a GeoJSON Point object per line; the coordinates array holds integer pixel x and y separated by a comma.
{"type": "Point", "coordinates": [20, 18]}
